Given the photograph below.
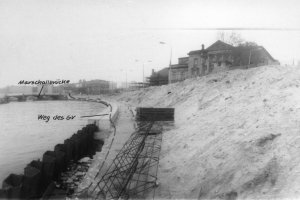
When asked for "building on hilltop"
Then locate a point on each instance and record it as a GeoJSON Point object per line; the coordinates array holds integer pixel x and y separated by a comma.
{"type": "Point", "coordinates": [159, 78]}
{"type": "Point", "coordinates": [179, 71]}
{"type": "Point", "coordinates": [219, 56]}
{"type": "Point", "coordinates": [204, 61]}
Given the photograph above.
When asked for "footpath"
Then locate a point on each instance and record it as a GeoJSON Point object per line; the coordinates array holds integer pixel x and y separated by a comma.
{"type": "Point", "coordinates": [113, 142]}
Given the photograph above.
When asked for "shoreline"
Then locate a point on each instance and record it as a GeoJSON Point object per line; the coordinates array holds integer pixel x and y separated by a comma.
{"type": "Point", "coordinates": [112, 145]}
{"type": "Point", "coordinates": [14, 186]}
{"type": "Point", "coordinates": [32, 97]}
{"type": "Point", "coordinates": [40, 174]}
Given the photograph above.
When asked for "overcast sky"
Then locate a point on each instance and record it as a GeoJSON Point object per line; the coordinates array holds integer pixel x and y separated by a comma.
{"type": "Point", "coordinates": [104, 39]}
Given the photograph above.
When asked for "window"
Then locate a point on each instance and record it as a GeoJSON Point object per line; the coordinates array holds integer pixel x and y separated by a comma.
{"type": "Point", "coordinates": [195, 62]}
{"type": "Point", "coordinates": [194, 70]}
{"type": "Point", "coordinates": [182, 76]}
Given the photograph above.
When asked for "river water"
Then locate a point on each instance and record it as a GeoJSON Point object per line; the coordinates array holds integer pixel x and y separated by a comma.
{"type": "Point", "coordinates": [23, 137]}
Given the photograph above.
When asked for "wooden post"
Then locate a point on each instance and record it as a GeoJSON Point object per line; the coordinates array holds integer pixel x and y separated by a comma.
{"type": "Point", "coordinates": [249, 59]}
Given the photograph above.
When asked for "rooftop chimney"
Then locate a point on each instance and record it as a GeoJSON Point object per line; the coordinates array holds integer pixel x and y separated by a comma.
{"type": "Point", "coordinates": [202, 46]}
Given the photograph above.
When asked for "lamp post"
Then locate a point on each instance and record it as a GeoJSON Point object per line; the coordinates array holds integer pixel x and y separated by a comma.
{"type": "Point", "coordinates": [143, 80]}
{"type": "Point", "coordinates": [169, 79]}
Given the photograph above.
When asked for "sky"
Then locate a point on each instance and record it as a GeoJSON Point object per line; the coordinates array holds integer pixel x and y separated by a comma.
{"type": "Point", "coordinates": [116, 39]}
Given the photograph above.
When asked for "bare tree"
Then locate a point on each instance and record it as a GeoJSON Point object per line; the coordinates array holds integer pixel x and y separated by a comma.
{"type": "Point", "coordinates": [221, 36]}
{"type": "Point", "coordinates": [233, 38]}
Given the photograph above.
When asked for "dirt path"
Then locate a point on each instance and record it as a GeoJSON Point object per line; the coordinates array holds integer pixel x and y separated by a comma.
{"type": "Point", "coordinates": [112, 145]}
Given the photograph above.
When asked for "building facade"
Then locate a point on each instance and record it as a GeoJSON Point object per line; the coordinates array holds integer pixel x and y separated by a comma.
{"type": "Point", "coordinates": [160, 77]}
{"type": "Point", "coordinates": [219, 56]}
{"type": "Point", "coordinates": [179, 72]}
{"type": "Point", "coordinates": [27, 90]}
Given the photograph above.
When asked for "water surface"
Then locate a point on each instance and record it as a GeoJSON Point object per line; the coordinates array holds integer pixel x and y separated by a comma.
{"type": "Point", "coordinates": [23, 137]}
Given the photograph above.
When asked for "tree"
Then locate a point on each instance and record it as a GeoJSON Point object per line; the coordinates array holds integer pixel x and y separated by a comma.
{"type": "Point", "coordinates": [241, 53]}
{"type": "Point", "coordinates": [232, 38]}
{"type": "Point", "coordinates": [249, 45]}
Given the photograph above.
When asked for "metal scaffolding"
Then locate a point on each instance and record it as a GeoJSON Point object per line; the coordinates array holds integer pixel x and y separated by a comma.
{"type": "Point", "coordinates": [134, 170]}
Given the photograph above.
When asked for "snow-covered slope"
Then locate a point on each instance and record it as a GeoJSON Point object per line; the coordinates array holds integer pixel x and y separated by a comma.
{"type": "Point", "coordinates": [236, 134]}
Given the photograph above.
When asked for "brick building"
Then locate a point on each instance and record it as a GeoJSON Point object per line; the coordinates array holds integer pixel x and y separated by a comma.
{"type": "Point", "coordinates": [219, 56]}
{"type": "Point", "coordinates": [160, 77]}
{"type": "Point", "coordinates": [179, 71]}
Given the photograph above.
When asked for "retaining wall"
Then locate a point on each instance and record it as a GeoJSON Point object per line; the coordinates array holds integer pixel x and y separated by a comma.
{"type": "Point", "coordinates": [108, 114]}
{"type": "Point", "coordinates": [38, 175]}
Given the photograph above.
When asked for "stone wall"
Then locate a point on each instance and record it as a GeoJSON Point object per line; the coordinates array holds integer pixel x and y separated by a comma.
{"type": "Point", "coordinates": [40, 174]}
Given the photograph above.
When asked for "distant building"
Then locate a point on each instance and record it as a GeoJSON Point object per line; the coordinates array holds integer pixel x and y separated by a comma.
{"type": "Point", "coordinates": [219, 56]}
{"type": "Point", "coordinates": [159, 78]}
{"type": "Point", "coordinates": [92, 87]}
{"type": "Point", "coordinates": [179, 72]}
{"type": "Point", "coordinates": [32, 90]}
{"type": "Point", "coordinates": [19, 90]}
{"type": "Point", "coordinates": [123, 85]}
{"type": "Point", "coordinates": [204, 61]}
{"type": "Point", "coordinates": [136, 85]}
{"type": "Point", "coordinates": [97, 86]}
{"type": "Point", "coordinates": [112, 85]}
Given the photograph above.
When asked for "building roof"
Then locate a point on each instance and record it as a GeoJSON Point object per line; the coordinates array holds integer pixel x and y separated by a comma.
{"type": "Point", "coordinates": [183, 58]}
{"type": "Point", "coordinates": [263, 48]}
{"type": "Point", "coordinates": [196, 52]}
{"type": "Point", "coordinates": [162, 73]}
{"type": "Point", "coordinates": [177, 66]}
{"type": "Point", "coordinates": [219, 45]}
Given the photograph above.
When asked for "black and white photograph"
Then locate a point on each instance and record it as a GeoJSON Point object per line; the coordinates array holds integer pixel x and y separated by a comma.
{"type": "Point", "coordinates": [150, 99]}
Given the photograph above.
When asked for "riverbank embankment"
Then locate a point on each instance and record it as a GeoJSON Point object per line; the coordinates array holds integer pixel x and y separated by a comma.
{"type": "Point", "coordinates": [113, 142]}
{"type": "Point", "coordinates": [40, 175]}
{"type": "Point", "coordinates": [52, 175]}
{"type": "Point", "coordinates": [236, 134]}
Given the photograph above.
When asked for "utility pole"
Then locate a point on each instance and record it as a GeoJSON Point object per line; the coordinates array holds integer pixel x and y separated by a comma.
{"type": "Point", "coordinates": [126, 81]}
{"type": "Point", "coordinates": [143, 75]}
{"type": "Point", "coordinates": [249, 59]}
{"type": "Point", "coordinates": [171, 50]}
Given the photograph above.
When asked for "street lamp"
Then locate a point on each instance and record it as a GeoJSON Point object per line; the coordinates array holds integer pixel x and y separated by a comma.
{"type": "Point", "coordinates": [170, 59]}
{"type": "Point", "coordinates": [126, 83]}
{"type": "Point", "coordinates": [144, 70]}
